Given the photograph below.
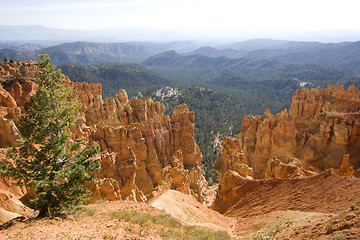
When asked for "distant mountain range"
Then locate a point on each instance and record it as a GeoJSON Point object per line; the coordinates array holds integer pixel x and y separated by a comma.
{"type": "Point", "coordinates": [344, 54]}
{"type": "Point", "coordinates": [36, 33]}
{"type": "Point", "coordinates": [254, 44]}
{"type": "Point", "coordinates": [217, 70]}
{"type": "Point", "coordinates": [87, 53]}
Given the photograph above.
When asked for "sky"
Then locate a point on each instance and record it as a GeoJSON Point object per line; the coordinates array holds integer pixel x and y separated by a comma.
{"type": "Point", "coordinates": [206, 15]}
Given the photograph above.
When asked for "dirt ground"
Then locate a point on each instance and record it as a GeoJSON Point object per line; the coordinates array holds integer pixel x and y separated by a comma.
{"type": "Point", "coordinates": [95, 221]}
{"type": "Point", "coordinates": [91, 223]}
{"type": "Point", "coordinates": [188, 210]}
{"type": "Point", "coordinates": [325, 206]}
{"type": "Point", "coordinates": [320, 207]}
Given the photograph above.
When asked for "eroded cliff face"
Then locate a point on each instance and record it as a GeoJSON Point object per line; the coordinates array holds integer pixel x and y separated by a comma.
{"type": "Point", "coordinates": [142, 151]}
{"type": "Point", "coordinates": [321, 127]}
{"type": "Point", "coordinates": [320, 133]}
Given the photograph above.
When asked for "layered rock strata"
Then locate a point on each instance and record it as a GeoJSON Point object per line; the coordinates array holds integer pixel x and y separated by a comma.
{"type": "Point", "coordinates": [143, 151]}
{"type": "Point", "coordinates": [321, 126]}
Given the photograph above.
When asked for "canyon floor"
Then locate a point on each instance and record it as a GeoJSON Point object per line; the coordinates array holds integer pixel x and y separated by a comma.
{"type": "Point", "coordinates": [325, 206]}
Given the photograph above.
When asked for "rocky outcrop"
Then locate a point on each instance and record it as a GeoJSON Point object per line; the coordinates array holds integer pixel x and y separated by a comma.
{"type": "Point", "coordinates": [176, 176]}
{"type": "Point", "coordinates": [15, 89]}
{"type": "Point", "coordinates": [8, 112]}
{"type": "Point", "coordinates": [148, 150]}
{"type": "Point", "coordinates": [321, 126]}
{"type": "Point", "coordinates": [282, 168]}
{"type": "Point", "coordinates": [345, 169]}
{"type": "Point", "coordinates": [320, 132]}
{"type": "Point", "coordinates": [232, 158]}
{"type": "Point", "coordinates": [10, 205]}
{"type": "Point", "coordinates": [142, 149]}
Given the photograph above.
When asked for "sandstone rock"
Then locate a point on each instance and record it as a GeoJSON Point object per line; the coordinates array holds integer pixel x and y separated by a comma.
{"type": "Point", "coordinates": [140, 146]}
{"type": "Point", "coordinates": [109, 189]}
{"type": "Point", "coordinates": [6, 100]}
{"type": "Point", "coordinates": [226, 197]}
{"type": "Point", "coordinates": [292, 168]}
{"type": "Point", "coordinates": [176, 176]}
{"type": "Point", "coordinates": [232, 158]}
{"type": "Point", "coordinates": [8, 133]}
{"type": "Point", "coordinates": [21, 92]}
{"type": "Point", "coordinates": [10, 205]}
{"type": "Point", "coordinates": [357, 173]}
{"type": "Point", "coordinates": [321, 126]}
{"type": "Point", "coordinates": [345, 169]}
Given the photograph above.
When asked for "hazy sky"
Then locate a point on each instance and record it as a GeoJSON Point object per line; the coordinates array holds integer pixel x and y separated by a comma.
{"type": "Point", "coordinates": [234, 15]}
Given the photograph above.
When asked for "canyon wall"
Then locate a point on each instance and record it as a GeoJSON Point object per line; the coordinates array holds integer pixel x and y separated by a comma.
{"type": "Point", "coordinates": [321, 126]}
{"type": "Point", "coordinates": [321, 132]}
{"type": "Point", "coordinates": [143, 152]}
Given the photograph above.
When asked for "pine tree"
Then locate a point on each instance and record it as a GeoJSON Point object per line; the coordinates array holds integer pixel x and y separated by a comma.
{"type": "Point", "coordinates": [23, 72]}
{"type": "Point", "coordinates": [47, 161]}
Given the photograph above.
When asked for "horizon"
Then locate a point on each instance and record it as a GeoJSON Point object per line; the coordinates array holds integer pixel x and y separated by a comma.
{"type": "Point", "coordinates": [139, 34]}
{"type": "Point", "coordinates": [323, 21]}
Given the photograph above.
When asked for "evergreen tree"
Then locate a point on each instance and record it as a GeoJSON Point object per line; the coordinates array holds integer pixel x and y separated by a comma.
{"type": "Point", "coordinates": [48, 162]}
{"type": "Point", "coordinates": [23, 72]}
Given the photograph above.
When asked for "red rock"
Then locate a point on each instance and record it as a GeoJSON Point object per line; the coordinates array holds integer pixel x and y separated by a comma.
{"type": "Point", "coordinates": [345, 169]}
{"type": "Point", "coordinates": [137, 141]}
{"type": "Point", "coordinates": [321, 126]}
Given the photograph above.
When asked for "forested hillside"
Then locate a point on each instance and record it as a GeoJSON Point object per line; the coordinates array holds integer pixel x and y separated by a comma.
{"type": "Point", "coordinates": [89, 53]}
{"type": "Point", "coordinates": [221, 90]}
{"type": "Point", "coordinates": [113, 77]}
{"type": "Point", "coordinates": [202, 69]}
{"type": "Point", "coordinates": [343, 54]}
{"type": "Point", "coordinates": [218, 112]}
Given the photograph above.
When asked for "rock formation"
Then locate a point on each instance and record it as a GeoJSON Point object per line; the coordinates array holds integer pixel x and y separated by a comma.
{"type": "Point", "coordinates": [142, 150]}
{"type": "Point", "coordinates": [10, 205]}
{"type": "Point", "coordinates": [345, 169]}
{"type": "Point", "coordinates": [321, 126]}
{"type": "Point", "coordinates": [285, 168]}
{"type": "Point", "coordinates": [232, 158]}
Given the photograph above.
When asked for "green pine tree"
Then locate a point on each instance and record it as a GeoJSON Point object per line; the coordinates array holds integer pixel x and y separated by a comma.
{"type": "Point", "coordinates": [47, 161]}
{"type": "Point", "coordinates": [23, 72]}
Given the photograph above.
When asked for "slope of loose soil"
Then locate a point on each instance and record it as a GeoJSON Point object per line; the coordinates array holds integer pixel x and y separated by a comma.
{"type": "Point", "coordinates": [325, 206]}
{"type": "Point", "coordinates": [297, 208]}
{"type": "Point", "coordinates": [188, 210]}
{"type": "Point", "coordinates": [326, 193]}
{"type": "Point", "coordinates": [105, 221]}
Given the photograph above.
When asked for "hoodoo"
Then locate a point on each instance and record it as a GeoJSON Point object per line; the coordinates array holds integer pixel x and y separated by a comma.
{"type": "Point", "coordinates": [143, 151]}
{"type": "Point", "coordinates": [321, 126]}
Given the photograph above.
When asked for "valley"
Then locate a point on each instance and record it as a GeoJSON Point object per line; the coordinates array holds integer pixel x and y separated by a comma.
{"type": "Point", "coordinates": [266, 135]}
